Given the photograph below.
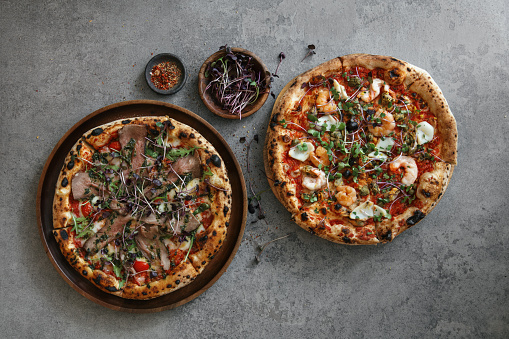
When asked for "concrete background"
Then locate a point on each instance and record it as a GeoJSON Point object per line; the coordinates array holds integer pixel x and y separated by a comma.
{"type": "Point", "coordinates": [446, 277]}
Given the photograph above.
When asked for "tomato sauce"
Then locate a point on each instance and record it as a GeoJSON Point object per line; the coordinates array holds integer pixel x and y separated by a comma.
{"type": "Point", "coordinates": [206, 218]}
{"type": "Point", "coordinates": [176, 257]}
{"type": "Point", "coordinates": [365, 233]}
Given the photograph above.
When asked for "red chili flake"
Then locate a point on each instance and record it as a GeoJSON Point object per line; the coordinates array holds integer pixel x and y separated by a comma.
{"type": "Point", "coordinates": [165, 75]}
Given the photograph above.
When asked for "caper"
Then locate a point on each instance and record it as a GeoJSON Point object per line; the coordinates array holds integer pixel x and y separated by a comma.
{"type": "Point", "coordinates": [364, 190]}
{"type": "Point", "coordinates": [386, 99]}
{"type": "Point", "coordinates": [354, 82]}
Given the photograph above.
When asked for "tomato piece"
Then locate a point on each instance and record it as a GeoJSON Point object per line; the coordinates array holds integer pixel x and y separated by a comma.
{"type": "Point", "coordinates": [141, 266]}
{"type": "Point", "coordinates": [115, 145]}
{"type": "Point", "coordinates": [86, 208]}
{"type": "Point", "coordinates": [75, 207]}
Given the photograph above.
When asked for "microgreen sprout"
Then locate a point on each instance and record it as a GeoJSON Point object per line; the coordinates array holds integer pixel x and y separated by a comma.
{"type": "Point", "coordinates": [262, 247]}
{"type": "Point", "coordinates": [311, 51]}
{"type": "Point", "coordinates": [282, 56]}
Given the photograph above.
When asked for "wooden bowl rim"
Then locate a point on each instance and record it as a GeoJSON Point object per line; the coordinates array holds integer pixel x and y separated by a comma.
{"type": "Point", "coordinates": [212, 106]}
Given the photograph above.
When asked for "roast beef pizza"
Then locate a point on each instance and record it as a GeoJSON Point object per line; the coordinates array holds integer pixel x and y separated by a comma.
{"type": "Point", "coordinates": [360, 148]}
{"type": "Point", "coordinates": [141, 206]}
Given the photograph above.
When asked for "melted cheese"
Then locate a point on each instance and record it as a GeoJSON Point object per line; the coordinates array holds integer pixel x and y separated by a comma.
{"type": "Point", "coordinates": [172, 141]}
{"type": "Point", "coordinates": [377, 155]}
{"type": "Point", "coordinates": [424, 133]}
{"type": "Point", "coordinates": [184, 246]}
{"type": "Point", "coordinates": [385, 144]}
{"type": "Point", "coordinates": [327, 121]}
{"type": "Point", "coordinates": [97, 225]}
{"type": "Point", "coordinates": [367, 210]}
{"type": "Point", "coordinates": [299, 154]}
{"type": "Point", "coordinates": [169, 244]}
{"type": "Point", "coordinates": [200, 228]}
{"type": "Point", "coordinates": [340, 89]}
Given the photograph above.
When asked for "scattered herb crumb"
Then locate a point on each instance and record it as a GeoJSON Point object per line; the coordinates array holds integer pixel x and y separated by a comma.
{"type": "Point", "coordinates": [261, 248]}
{"type": "Point", "coordinates": [311, 51]}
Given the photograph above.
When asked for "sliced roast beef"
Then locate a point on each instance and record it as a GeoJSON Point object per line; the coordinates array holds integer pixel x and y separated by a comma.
{"type": "Point", "coordinates": [109, 232]}
{"type": "Point", "coordinates": [165, 260]}
{"type": "Point", "coordinates": [138, 133]}
{"type": "Point", "coordinates": [82, 186]}
{"type": "Point", "coordinates": [148, 241]}
{"type": "Point", "coordinates": [150, 219]}
{"type": "Point", "coordinates": [191, 225]}
{"type": "Point", "coordinates": [187, 164]}
{"type": "Point", "coordinates": [150, 232]}
{"type": "Point", "coordinates": [119, 207]}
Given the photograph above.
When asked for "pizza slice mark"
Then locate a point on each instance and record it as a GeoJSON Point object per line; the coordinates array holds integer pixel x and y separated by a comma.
{"type": "Point", "coordinates": [75, 162]}
{"type": "Point", "coordinates": [69, 246]}
{"type": "Point", "coordinates": [208, 243]}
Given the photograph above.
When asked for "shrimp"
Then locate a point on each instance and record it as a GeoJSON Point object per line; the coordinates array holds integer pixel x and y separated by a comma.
{"type": "Point", "coordinates": [346, 195]}
{"type": "Point", "coordinates": [382, 123]}
{"type": "Point", "coordinates": [409, 166]}
{"type": "Point", "coordinates": [319, 156]}
{"type": "Point", "coordinates": [374, 90]}
{"type": "Point", "coordinates": [314, 179]}
{"type": "Point", "coordinates": [324, 101]}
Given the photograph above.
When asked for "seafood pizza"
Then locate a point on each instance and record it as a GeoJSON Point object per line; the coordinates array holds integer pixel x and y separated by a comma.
{"type": "Point", "coordinates": [141, 206]}
{"type": "Point", "coordinates": [360, 148]}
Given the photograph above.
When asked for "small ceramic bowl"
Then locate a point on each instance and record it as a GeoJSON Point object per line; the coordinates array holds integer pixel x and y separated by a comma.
{"type": "Point", "coordinates": [212, 103]}
{"type": "Point", "coordinates": [164, 57]}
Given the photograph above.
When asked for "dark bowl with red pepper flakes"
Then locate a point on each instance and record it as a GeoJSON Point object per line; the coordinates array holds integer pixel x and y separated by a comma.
{"type": "Point", "coordinates": [165, 74]}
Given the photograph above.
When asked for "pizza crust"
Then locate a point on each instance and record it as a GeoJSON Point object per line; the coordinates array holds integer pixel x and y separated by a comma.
{"type": "Point", "coordinates": [429, 91]}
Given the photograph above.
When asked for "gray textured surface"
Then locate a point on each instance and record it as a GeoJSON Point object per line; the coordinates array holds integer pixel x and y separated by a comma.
{"type": "Point", "coordinates": [446, 277]}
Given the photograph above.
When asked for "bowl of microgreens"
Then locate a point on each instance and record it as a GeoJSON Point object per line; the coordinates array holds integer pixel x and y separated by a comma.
{"type": "Point", "coordinates": [234, 83]}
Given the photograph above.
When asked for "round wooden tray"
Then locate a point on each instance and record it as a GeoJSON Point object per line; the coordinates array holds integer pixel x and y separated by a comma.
{"type": "Point", "coordinates": [46, 191]}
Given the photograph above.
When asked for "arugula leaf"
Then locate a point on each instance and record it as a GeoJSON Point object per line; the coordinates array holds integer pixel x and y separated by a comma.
{"type": "Point", "coordinates": [176, 153]}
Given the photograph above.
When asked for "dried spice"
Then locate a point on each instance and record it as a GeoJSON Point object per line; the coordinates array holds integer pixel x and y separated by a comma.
{"type": "Point", "coordinates": [165, 75]}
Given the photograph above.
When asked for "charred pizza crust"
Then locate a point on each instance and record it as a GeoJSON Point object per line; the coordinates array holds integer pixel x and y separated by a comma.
{"type": "Point", "coordinates": [171, 215]}
{"type": "Point", "coordinates": [293, 104]}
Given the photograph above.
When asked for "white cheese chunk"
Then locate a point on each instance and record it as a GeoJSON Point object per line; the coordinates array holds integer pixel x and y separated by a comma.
{"type": "Point", "coordinates": [301, 152]}
{"type": "Point", "coordinates": [367, 210]}
{"type": "Point", "coordinates": [200, 228]}
{"type": "Point", "coordinates": [384, 144]}
{"type": "Point", "coordinates": [193, 184]}
{"type": "Point", "coordinates": [172, 141]}
{"type": "Point", "coordinates": [184, 246]}
{"type": "Point", "coordinates": [327, 121]}
{"type": "Point", "coordinates": [95, 200]}
{"type": "Point", "coordinates": [377, 155]}
{"type": "Point", "coordinates": [425, 132]}
{"type": "Point", "coordinates": [97, 225]}
{"type": "Point", "coordinates": [169, 244]}
{"type": "Point", "coordinates": [340, 89]}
